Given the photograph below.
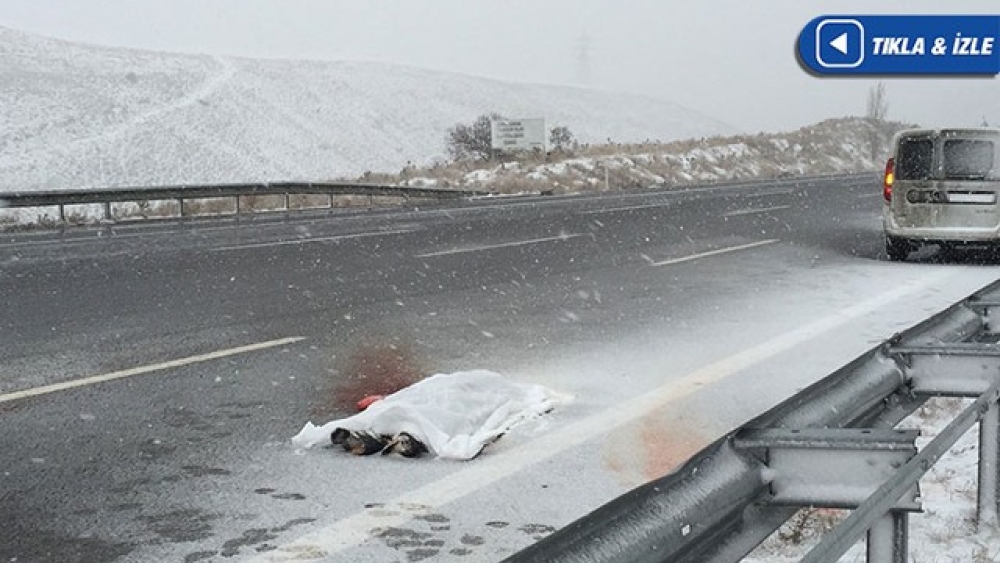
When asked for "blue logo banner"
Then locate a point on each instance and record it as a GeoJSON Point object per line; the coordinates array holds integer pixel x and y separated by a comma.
{"type": "Point", "coordinates": [906, 45]}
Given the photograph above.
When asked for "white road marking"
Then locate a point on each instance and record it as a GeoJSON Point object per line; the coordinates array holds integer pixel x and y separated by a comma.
{"type": "Point", "coordinates": [710, 253]}
{"type": "Point", "coordinates": [311, 240]}
{"type": "Point", "coordinates": [770, 193]}
{"type": "Point", "coordinates": [493, 246]}
{"type": "Point", "coordinates": [181, 362]}
{"type": "Point", "coordinates": [872, 194]}
{"type": "Point", "coordinates": [754, 210]}
{"type": "Point", "coordinates": [136, 228]}
{"type": "Point", "coordinates": [485, 471]}
{"type": "Point", "coordinates": [73, 241]}
{"type": "Point", "coordinates": [678, 192]}
{"type": "Point", "coordinates": [626, 208]}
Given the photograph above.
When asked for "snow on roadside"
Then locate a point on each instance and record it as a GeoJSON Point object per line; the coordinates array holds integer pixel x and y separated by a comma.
{"type": "Point", "coordinates": [89, 116]}
{"type": "Point", "coordinates": [829, 147]}
{"type": "Point", "coordinates": [944, 533]}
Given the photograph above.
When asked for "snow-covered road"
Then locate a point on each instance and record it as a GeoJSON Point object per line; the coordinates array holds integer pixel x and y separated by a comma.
{"type": "Point", "coordinates": [671, 317]}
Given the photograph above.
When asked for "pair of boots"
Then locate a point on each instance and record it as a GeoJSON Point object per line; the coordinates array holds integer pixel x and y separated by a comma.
{"type": "Point", "coordinates": [366, 443]}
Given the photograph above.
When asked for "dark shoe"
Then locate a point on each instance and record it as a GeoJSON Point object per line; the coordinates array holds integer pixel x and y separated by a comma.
{"type": "Point", "coordinates": [405, 445]}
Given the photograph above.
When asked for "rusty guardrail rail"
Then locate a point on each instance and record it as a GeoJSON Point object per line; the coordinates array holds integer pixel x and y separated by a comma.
{"type": "Point", "coordinates": [832, 445]}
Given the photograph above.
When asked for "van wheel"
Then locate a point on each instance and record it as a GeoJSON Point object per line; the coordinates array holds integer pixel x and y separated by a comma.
{"type": "Point", "coordinates": [897, 249]}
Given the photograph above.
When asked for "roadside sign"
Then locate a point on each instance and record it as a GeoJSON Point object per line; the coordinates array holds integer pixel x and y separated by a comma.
{"type": "Point", "coordinates": [518, 134]}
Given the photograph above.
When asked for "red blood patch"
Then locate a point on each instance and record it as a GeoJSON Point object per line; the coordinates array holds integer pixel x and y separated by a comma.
{"type": "Point", "coordinates": [367, 401]}
{"type": "Point", "coordinates": [368, 370]}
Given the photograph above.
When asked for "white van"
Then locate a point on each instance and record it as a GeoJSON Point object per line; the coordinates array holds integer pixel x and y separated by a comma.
{"type": "Point", "coordinates": [941, 188]}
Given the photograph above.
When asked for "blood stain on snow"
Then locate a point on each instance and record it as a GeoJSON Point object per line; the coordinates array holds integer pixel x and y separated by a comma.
{"type": "Point", "coordinates": [371, 369]}
{"type": "Point", "coordinates": [651, 447]}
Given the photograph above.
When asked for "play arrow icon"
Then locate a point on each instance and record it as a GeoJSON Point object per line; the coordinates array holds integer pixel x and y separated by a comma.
{"type": "Point", "coordinates": [840, 43]}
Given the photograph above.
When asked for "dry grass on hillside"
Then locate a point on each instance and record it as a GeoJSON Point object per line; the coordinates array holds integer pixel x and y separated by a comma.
{"type": "Point", "coordinates": [829, 147]}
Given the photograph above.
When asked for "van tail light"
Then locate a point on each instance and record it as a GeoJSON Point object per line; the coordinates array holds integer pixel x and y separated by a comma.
{"type": "Point", "coordinates": [890, 177]}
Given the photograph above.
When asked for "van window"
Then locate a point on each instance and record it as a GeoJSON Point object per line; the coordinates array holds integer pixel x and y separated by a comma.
{"type": "Point", "coordinates": [914, 159]}
{"type": "Point", "coordinates": [968, 158]}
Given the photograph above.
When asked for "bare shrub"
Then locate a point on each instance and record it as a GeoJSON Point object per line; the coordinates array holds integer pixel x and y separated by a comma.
{"type": "Point", "coordinates": [471, 141]}
{"type": "Point", "coordinates": [370, 177]}
{"type": "Point", "coordinates": [518, 184]}
{"type": "Point", "coordinates": [561, 139]}
{"type": "Point", "coordinates": [810, 522]}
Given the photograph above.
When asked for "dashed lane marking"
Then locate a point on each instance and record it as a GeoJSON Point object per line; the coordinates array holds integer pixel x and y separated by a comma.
{"type": "Point", "coordinates": [715, 252]}
{"type": "Point", "coordinates": [334, 238]}
{"type": "Point", "coordinates": [494, 246]}
{"type": "Point", "coordinates": [755, 210]}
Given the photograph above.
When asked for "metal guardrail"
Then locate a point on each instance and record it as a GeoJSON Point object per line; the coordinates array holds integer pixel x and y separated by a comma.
{"type": "Point", "coordinates": [182, 193]}
{"type": "Point", "coordinates": [832, 445]}
{"type": "Point", "coordinates": [239, 192]}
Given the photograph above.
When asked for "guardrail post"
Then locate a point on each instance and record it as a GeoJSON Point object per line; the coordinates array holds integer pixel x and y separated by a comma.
{"type": "Point", "coordinates": [989, 460]}
{"type": "Point", "coordinates": [286, 202]}
{"type": "Point", "coordinates": [238, 205]}
{"type": "Point", "coordinates": [887, 538]}
{"type": "Point", "coordinates": [107, 210]}
{"type": "Point", "coordinates": [62, 213]}
{"type": "Point", "coordinates": [180, 202]}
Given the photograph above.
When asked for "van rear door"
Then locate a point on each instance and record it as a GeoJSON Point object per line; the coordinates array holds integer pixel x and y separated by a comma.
{"type": "Point", "coordinates": [948, 182]}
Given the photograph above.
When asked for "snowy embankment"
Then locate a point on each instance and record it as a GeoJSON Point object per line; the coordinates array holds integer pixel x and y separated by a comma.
{"type": "Point", "coordinates": [79, 116]}
{"type": "Point", "coordinates": [829, 147]}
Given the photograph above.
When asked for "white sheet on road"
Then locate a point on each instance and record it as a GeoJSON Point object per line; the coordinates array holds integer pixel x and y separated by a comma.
{"type": "Point", "coordinates": [456, 415]}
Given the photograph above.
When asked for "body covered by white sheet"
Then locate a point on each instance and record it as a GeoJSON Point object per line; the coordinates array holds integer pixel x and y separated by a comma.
{"type": "Point", "coordinates": [455, 415]}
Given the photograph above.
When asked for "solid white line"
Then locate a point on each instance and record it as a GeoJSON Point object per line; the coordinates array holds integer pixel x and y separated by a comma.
{"type": "Point", "coordinates": [753, 210]}
{"type": "Point", "coordinates": [872, 194]}
{"type": "Point", "coordinates": [92, 380]}
{"type": "Point", "coordinates": [492, 246]}
{"type": "Point", "coordinates": [310, 240]}
{"type": "Point", "coordinates": [74, 241]}
{"type": "Point", "coordinates": [487, 470]}
{"type": "Point", "coordinates": [770, 193]}
{"type": "Point", "coordinates": [627, 208]}
{"type": "Point", "coordinates": [712, 252]}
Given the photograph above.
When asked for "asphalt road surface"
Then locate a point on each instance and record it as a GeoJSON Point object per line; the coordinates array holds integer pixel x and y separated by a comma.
{"type": "Point", "coordinates": [151, 375]}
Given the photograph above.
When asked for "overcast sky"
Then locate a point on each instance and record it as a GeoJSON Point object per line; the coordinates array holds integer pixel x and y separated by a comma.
{"type": "Point", "coordinates": [731, 59]}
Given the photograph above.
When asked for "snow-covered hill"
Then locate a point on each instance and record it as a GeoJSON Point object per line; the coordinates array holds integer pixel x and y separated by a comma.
{"type": "Point", "coordinates": [77, 116]}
